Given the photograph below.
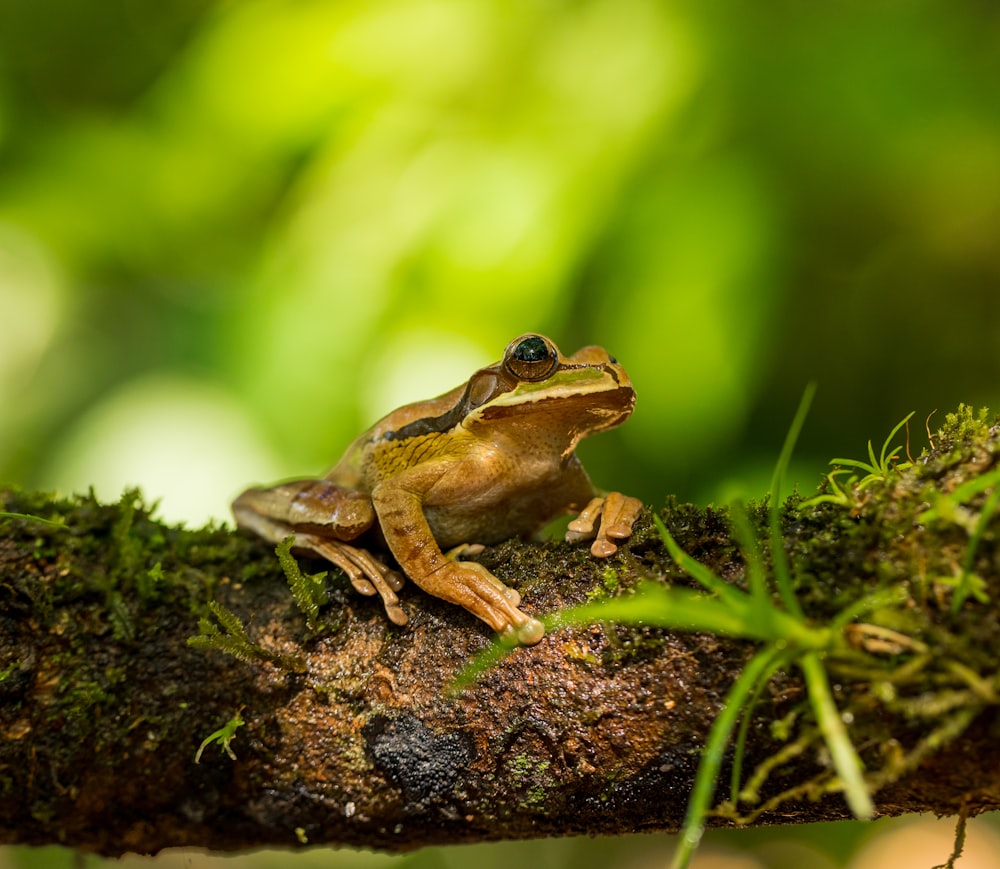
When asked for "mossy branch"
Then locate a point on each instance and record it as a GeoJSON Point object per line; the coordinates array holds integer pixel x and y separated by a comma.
{"type": "Point", "coordinates": [350, 733]}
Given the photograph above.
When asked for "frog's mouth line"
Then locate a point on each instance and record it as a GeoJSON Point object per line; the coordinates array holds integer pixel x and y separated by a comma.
{"type": "Point", "coordinates": [573, 380]}
{"type": "Point", "coordinates": [615, 406]}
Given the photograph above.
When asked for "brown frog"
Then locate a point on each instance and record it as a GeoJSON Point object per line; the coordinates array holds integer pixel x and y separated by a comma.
{"type": "Point", "coordinates": [489, 460]}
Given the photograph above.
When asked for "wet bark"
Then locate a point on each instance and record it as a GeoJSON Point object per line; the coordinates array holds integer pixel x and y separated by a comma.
{"type": "Point", "coordinates": [351, 734]}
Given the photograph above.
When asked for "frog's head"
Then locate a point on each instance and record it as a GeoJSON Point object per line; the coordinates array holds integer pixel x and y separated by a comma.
{"type": "Point", "coordinates": [535, 385]}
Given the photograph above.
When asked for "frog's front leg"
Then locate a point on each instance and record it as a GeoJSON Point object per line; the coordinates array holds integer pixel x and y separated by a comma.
{"type": "Point", "coordinates": [616, 514]}
{"type": "Point", "coordinates": [321, 516]}
{"type": "Point", "coordinates": [465, 583]}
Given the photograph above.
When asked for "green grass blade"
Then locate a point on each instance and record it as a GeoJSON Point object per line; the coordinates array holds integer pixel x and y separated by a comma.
{"type": "Point", "coordinates": [845, 758]}
{"type": "Point", "coordinates": [962, 588]}
{"type": "Point", "coordinates": [711, 758]}
{"type": "Point", "coordinates": [681, 609]}
{"type": "Point", "coordinates": [883, 597]}
{"type": "Point", "coordinates": [747, 540]}
{"type": "Point", "coordinates": [776, 663]}
{"type": "Point", "coordinates": [478, 664]}
{"type": "Point", "coordinates": [855, 463]}
{"type": "Point", "coordinates": [946, 504]}
{"type": "Point", "coordinates": [650, 604]}
{"type": "Point", "coordinates": [696, 570]}
{"type": "Point", "coordinates": [781, 570]}
{"type": "Point", "coordinates": [888, 440]}
{"type": "Point", "coordinates": [685, 609]}
{"type": "Point", "coordinates": [872, 459]}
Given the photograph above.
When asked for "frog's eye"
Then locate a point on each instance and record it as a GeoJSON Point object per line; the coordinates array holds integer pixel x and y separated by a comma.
{"type": "Point", "coordinates": [531, 357]}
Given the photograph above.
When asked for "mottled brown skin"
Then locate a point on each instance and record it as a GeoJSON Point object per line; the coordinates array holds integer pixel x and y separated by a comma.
{"type": "Point", "coordinates": [489, 460]}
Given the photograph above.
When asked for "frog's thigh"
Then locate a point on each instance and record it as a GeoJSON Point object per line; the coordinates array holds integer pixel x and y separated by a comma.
{"type": "Point", "coordinates": [367, 574]}
{"type": "Point", "coordinates": [340, 512]}
{"type": "Point", "coordinates": [332, 514]}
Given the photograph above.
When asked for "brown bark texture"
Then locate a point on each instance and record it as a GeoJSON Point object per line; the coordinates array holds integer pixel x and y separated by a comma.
{"type": "Point", "coordinates": [352, 736]}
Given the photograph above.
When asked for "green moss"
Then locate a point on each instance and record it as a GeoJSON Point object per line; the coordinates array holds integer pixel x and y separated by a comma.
{"type": "Point", "coordinates": [531, 779]}
{"type": "Point", "coordinates": [126, 579]}
{"type": "Point", "coordinates": [964, 426]}
{"type": "Point", "coordinates": [308, 590]}
{"type": "Point", "coordinates": [230, 637]}
{"type": "Point", "coordinates": [609, 585]}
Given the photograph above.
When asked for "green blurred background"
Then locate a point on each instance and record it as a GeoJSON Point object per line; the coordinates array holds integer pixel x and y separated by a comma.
{"type": "Point", "coordinates": [233, 234]}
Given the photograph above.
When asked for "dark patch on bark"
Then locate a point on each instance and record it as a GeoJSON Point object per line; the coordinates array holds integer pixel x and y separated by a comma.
{"type": "Point", "coordinates": [425, 765]}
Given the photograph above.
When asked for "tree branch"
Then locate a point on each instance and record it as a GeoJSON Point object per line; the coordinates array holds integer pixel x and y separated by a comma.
{"type": "Point", "coordinates": [352, 737]}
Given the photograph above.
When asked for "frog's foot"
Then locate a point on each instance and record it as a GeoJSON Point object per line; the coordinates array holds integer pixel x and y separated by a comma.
{"type": "Point", "coordinates": [367, 574]}
{"type": "Point", "coordinates": [512, 595]}
{"type": "Point", "coordinates": [472, 586]}
{"type": "Point", "coordinates": [615, 512]}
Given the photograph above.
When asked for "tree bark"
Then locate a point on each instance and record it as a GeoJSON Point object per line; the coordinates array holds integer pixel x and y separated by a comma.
{"type": "Point", "coordinates": [351, 734]}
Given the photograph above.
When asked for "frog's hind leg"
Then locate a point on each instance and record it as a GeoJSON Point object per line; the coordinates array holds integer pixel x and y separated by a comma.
{"type": "Point", "coordinates": [367, 574]}
{"type": "Point", "coordinates": [296, 507]}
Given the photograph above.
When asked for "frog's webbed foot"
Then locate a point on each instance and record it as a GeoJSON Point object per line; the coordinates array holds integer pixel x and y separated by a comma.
{"type": "Point", "coordinates": [472, 586]}
{"type": "Point", "coordinates": [616, 514]}
{"type": "Point", "coordinates": [367, 574]}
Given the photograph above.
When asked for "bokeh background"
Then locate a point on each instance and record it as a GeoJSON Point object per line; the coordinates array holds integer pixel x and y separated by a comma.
{"type": "Point", "coordinates": [235, 232]}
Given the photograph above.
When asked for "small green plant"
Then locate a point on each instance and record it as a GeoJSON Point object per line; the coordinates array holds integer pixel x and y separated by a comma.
{"type": "Point", "coordinates": [147, 581]}
{"type": "Point", "coordinates": [894, 662]}
{"type": "Point", "coordinates": [119, 615]}
{"type": "Point", "coordinates": [230, 636]}
{"type": "Point", "coordinates": [877, 469]}
{"type": "Point", "coordinates": [965, 423]}
{"type": "Point", "coordinates": [223, 736]}
{"type": "Point", "coordinates": [950, 507]}
{"type": "Point", "coordinates": [837, 493]}
{"type": "Point", "coordinates": [309, 590]}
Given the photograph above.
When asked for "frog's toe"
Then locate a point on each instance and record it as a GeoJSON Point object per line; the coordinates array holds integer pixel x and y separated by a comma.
{"type": "Point", "coordinates": [603, 548]}
{"type": "Point", "coordinates": [469, 584]}
{"type": "Point", "coordinates": [582, 527]}
{"type": "Point", "coordinates": [530, 632]}
{"type": "Point", "coordinates": [616, 514]}
{"type": "Point", "coordinates": [394, 579]}
{"type": "Point", "coordinates": [395, 613]}
{"type": "Point", "coordinates": [362, 585]}
{"type": "Point", "coordinates": [620, 514]}
{"type": "Point", "coordinates": [619, 531]}
{"type": "Point", "coordinates": [512, 595]}
{"type": "Point", "coordinates": [464, 550]}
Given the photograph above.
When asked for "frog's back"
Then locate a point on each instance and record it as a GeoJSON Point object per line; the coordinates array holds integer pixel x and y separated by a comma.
{"type": "Point", "coordinates": [385, 449]}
